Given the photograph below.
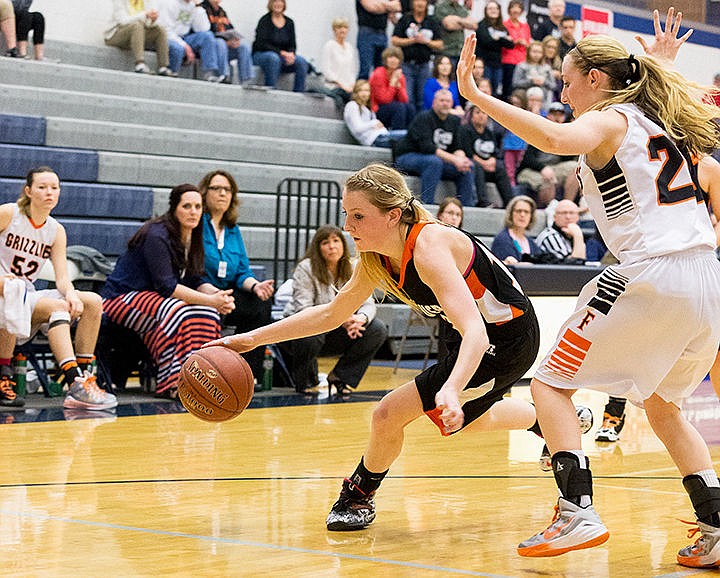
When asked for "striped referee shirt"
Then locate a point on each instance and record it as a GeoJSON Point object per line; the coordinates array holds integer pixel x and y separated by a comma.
{"type": "Point", "coordinates": [551, 241]}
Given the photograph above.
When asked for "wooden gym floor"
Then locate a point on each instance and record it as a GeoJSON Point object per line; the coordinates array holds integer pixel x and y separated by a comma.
{"type": "Point", "coordinates": [158, 493]}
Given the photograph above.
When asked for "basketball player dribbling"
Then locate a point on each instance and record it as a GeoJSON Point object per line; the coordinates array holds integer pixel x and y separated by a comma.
{"type": "Point", "coordinates": [648, 328]}
{"type": "Point", "coordinates": [438, 270]}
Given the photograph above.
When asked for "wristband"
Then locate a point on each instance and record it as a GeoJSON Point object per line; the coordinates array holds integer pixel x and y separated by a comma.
{"type": "Point", "coordinates": [252, 289]}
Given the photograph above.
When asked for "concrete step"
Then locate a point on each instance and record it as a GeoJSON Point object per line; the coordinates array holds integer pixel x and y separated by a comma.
{"type": "Point", "coordinates": [118, 82]}
{"type": "Point", "coordinates": [205, 144]}
{"type": "Point", "coordinates": [44, 102]}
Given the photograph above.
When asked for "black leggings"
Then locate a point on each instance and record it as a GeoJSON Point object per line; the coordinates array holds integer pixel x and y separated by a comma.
{"type": "Point", "coordinates": [25, 22]}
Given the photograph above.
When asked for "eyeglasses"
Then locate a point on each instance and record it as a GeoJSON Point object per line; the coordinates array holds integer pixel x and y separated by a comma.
{"type": "Point", "coordinates": [218, 188]}
{"type": "Point", "coordinates": [522, 211]}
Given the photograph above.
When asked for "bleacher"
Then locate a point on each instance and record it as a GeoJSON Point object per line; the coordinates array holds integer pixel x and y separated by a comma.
{"type": "Point", "coordinates": [154, 133]}
{"type": "Point", "coordinates": [119, 141]}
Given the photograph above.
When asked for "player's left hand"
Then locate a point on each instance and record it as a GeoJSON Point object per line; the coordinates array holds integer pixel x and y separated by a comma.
{"type": "Point", "coordinates": [666, 43]}
{"type": "Point", "coordinates": [451, 414]}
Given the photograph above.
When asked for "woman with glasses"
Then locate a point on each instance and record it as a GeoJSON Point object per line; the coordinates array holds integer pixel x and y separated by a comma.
{"type": "Point", "coordinates": [226, 262]}
{"type": "Point", "coordinates": [513, 244]}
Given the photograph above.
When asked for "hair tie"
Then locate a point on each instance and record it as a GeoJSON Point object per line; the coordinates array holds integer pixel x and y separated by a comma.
{"type": "Point", "coordinates": [634, 74]}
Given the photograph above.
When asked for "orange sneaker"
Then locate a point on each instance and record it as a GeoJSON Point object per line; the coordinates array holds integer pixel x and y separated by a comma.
{"type": "Point", "coordinates": [572, 528]}
{"type": "Point", "coordinates": [705, 552]}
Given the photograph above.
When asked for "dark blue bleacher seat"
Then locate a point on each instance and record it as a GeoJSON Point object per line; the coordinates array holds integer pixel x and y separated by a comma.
{"type": "Point", "coordinates": [70, 164]}
{"type": "Point", "coordinates": [91, 200]}
{"type": "Point", "coordinates": [26, 130]}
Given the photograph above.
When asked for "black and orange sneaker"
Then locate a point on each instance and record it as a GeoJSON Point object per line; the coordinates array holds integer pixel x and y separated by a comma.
{"type": "Point", "coordinates": [354, 509]}
{"type": "Point", "coordinates": [610, 429]}
{"type": "Point", "coordinates": [8, 397]}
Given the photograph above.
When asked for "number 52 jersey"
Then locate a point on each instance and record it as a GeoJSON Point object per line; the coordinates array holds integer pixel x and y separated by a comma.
{"type": "Point", "coordinates": [646, 200]}
{"type": "Point", "coordinates": [24, 247]}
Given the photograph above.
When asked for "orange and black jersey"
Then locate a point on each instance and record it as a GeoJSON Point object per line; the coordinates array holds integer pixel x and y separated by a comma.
{"type": "Point", "coordinates": [497, 293]}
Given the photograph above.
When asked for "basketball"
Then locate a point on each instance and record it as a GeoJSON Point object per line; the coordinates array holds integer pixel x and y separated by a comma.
{"type": "Point", "coordinates": [216, 384]}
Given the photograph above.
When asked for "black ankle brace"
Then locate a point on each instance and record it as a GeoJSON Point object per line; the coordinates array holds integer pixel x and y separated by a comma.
{"type": "Point", "coordinates": [366, 480]}
{"type": "Point", "coordinates": [705, 500]}
{"type": "Point", "coordinates": [573, 481]}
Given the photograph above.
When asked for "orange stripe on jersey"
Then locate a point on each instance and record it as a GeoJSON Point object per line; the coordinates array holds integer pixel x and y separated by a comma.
{"type": "Point", "coordinates": [434, 415]}
{"type": "Point", "coordinates": [569, 354]}
{"type": "Point", "coordinates": [409, 248]}
{"type": "Point", "coordinates": [572, 350]}
{"type": "Point", "coordinates": [476, 288]}
{"type": "Point", "coordinates": [576, 339]}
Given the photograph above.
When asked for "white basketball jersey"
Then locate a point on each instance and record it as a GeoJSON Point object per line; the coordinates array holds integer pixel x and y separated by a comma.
{"type": "Point", "coordinates": [645, 201]}
{"type": "Point", "coordinates": [24, 248]}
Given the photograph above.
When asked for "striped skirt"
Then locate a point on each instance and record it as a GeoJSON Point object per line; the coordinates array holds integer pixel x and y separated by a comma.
{"type": "Point", "coordinates": [170, 328]}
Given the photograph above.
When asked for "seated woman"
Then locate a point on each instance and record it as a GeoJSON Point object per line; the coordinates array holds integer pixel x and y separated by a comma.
{"type": "Point", "coordinates": [513, 244]}
{"type": "Point", "coordinates": [28, 237]}
{"type": "Point", "coordinates": [274, 49]}
{"type": "Point", "coordinates": [450, 211]}
{"type": "Point", "coordinates": [137, 28]}
{"type": "Point", "coordinates": [227, 266]}
{"type": "Point", "coordinates": [388, 91]}
{"type": "Point", "coordinates": [442, 77]}
{"type": "Point", "coordinates": [154, 289]}
{"type": "Point", "coordinates": [26, 22]}
{"type": "Point", "coordinates": [324, 270]}
{"type": "Point", "coordinates": [362, 122]}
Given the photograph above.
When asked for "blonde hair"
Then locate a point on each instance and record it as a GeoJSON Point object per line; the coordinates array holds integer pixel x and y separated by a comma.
{"type": "Point", "coordinates": [675, 103]}
{"type": "Point", "coordinates": [340, 22]}
{"type": "Point", "coordinates": [386, 189]}
{"type": "Point", "coordinates": [359, 85]}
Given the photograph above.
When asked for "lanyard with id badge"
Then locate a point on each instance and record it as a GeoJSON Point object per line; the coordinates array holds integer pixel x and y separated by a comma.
{"type": "Point", "coordinates": [222, 265]}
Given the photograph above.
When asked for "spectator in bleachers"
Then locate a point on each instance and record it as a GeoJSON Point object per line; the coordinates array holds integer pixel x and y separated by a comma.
{"type": "Point", "coordinates": [563, 242]}
{"type": "Point", "coordinates": [543, 173]}
{"type": "Point", "coordinates": [514, 244]}
{"type": "Point", "coordinates": [418, 35]}
{"type": "Point", "coordinates": [567, 36]}
{"type": "Point", "coordinates": [492, 37]}
{"type": "Point", "coordinates": [275, 47]}
{"type": "Point", "coordinates": [237, 49]}
{"type": "Point", "coordinates": [450, 211]}
{"type": "Point", "coordinates": [535, 72]}
{"type": "Point", "coordinates": [432, 149]}
{"type": "Point", "coordinates": [154, 289]}
{"type": "Point", "coordinates": [550, 25]}
{"type": "Point", "coordinates": [26, 22]}
{"type": "Point", "coordinates": [7, 27]}
{"type": "Point", "coordinates": [513, 146]}
{"type": "Point", "coordinates": [227, 266]}
{"type": "Point", "coordinates": [484, 146]}
{"type": "Point", "coordinates": [29, 236]}
{"type": "Point", "coordinates": [372, 36]}
{"type": "Point", "coordinates": [535, 100]}
{"type": "Point", "coordinates": [388, 92]}
{"type": "Point", "coordinates": [362, 122]}
{"type": "Point", "coordinates": [326, 267]}
{"type": "Point", "coordinates": [135, 26]}
{"type": "Point", "coordinates": [519, 33]}
{"type": "Point", "coordinates": [455, 19]}
{"type": "Point", "coordinates": [339, 63]}
{"type": "Point", "coordinates": [188, 30]}
{"type": "Point", "coordinates": [443, 76]}
{"type": "Point", "coordinates": [551, 56]}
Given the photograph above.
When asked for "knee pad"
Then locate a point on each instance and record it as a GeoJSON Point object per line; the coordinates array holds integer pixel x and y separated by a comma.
{"type": "Point", "coordinates": [58, 318]}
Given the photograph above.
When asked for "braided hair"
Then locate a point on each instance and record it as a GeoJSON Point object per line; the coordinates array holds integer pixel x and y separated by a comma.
{"type": "Point", "coordinates": [386, 189]}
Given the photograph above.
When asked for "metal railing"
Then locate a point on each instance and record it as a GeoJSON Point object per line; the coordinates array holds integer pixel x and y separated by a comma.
{"type": "Point", "coordinates": [302, 205]}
